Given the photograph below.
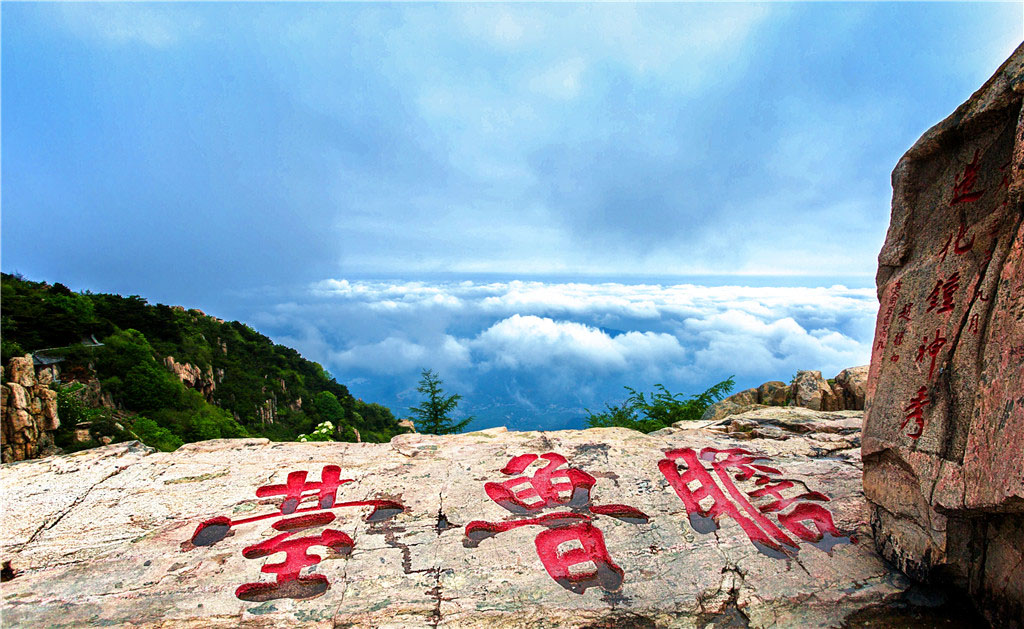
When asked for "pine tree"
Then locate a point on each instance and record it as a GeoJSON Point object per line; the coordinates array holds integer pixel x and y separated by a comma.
{"type": "Point", "coordinates": [431, 416]}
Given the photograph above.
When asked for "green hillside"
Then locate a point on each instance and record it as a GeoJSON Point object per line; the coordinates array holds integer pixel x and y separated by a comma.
{"type": "Point", "coordinates": [246, 384]}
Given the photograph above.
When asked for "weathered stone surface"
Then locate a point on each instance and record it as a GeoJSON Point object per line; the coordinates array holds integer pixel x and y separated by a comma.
{"type": "Point", "coordinates": [725, 408]}
{"type": "Point", "coordinates": [812, 391]}
{"type": "Point", "coordinates": [944, 425]}
{"type": "Point", "coordinates": [21, 371]}
{"type": "Point", "coordinates": [774, 393]}
{"type": "Point", "coordinates": [19, 395]}
{"type": "Point", "coordinates": [745, 398]}
{"type": "Point", "coordinates": [106, 537]}
{"type": "Point", "coordinates": [28, 414]}
{"type": "Point", "coordinates": [48, 399]}
{"type": "Point", "coordinates": [854, 384]}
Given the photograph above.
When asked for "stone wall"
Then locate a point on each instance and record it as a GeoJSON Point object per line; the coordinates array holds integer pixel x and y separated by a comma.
{"type": "Point", "coordinates": [944, 423]}
{"type": "Point", "coordinates": [28, 410]}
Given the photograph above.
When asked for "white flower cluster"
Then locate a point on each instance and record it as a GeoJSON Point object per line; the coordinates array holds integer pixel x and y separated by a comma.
{"type": "Point", "coordinates": [323, 430]}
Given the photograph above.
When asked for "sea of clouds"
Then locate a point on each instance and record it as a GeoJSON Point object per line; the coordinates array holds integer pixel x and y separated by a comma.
{"type": "Point", "coordinates": [535, 354]}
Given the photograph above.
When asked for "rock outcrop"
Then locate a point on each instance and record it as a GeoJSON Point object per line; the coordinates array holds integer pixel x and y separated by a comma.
{"type": "Point", "coordinates": [756, 521]}
{"type": "Point", "coordinates": [28, 411]}
{"type": "Point", "coordinates": [193, 377]}
{"type": "Point", "coordinates": [808, 390]}
{"type": "Point", "coordinates": [944, 425]}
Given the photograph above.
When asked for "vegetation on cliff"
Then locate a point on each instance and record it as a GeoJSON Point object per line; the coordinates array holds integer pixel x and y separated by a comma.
{"type": "Point", "coordinates": [659, 411]}
{"type": "Point", "coordinates": [238, 382]}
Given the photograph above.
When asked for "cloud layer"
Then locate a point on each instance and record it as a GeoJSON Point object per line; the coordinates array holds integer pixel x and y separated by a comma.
{"type": "Point", "coordinates": [515, 347]}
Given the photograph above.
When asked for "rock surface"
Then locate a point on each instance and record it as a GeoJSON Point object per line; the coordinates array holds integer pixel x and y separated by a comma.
{"type": "Point", "coordinates": [597, 532]}
{"type": "Point", "coordinates": [808, 390]}
{"type": "Point", "coordinates": [944, 425]}
{"type": "Point", "coordinates": [28, 411]}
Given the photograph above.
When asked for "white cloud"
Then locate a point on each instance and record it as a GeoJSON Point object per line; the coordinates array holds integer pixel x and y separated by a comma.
{"type": "Point", "coordinates": [684, 332]}
{"type": "Point", "coordinates": [530, 342]}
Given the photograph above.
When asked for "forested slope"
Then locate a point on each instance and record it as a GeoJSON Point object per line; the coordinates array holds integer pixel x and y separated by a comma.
{"type": "Point", "coordinates": [231, 380]}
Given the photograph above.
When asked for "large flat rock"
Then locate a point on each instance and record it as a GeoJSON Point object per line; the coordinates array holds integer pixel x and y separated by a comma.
{"type": "Point", "coordinates": [109, 537]}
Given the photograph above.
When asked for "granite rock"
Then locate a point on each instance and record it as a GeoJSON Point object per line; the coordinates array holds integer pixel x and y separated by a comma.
{"type": "Point", "coordinates": [944, 418]}
{"type": "Point", "coordinates": [470, 530]}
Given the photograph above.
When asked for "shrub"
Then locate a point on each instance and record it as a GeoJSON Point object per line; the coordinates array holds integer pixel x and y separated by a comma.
{"type": "Point", "coordinates": [659, 411]}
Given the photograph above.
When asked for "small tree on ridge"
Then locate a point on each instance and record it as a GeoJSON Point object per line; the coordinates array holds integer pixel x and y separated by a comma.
{"type": "Point", "coordinates": [431, 416]}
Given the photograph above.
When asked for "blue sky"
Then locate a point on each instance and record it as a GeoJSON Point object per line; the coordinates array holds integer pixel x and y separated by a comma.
{"type": "Point", "coordinates": [242, 157]}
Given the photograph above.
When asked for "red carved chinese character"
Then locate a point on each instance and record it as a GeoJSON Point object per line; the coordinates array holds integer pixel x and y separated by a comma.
{"type": "Point", "coordinates": [895, 358]}
{"type": "Point", "coordinates": [915, 411]}
{"type": "Point", "coordinates": [572, 549]}
{"type": "Point", "coordinates": [297, 556]}
{"type": "Point", "coordinates": [948, 289]}
{"type": "Point", "coordinates": [963, 191]}
{"type": "Point", "coordinates": [960, 245]}
{"type": "Point", "coordinates": [932, 348]}
{"type": "Point", "coordinates": [1005, 183]}
{"type": "Point", "coordinates": [710, 479]}
{"type": "Point", "coordinates": [296, 490]}
{"type": "Point", "coordinates": [974, 324]}
{"type": "Point", "coordinates": [905, 313]}
{"type": "Point", "coordinates": [898, 340]}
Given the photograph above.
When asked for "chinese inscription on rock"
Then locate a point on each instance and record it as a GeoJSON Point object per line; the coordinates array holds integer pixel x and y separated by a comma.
{"type": "Point", "coordinates": [571, 548]}
{"type": "Point", "coordinates": [707, 485]}
{"type": "Point", "coordinates": [292, 517]}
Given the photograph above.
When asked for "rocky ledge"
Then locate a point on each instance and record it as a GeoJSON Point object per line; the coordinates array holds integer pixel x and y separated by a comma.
{"type": "Point", "coordinates": [757, 520]}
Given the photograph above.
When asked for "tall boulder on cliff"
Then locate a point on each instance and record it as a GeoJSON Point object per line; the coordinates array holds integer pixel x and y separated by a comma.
{"type": "Point", "coordinates": [944, 421]}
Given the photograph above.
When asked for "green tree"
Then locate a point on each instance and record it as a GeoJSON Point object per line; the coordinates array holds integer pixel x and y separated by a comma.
{"type": "Point", "coordinates": [432, 415]}
{"type": "Point", "coordinates": [659, 411]}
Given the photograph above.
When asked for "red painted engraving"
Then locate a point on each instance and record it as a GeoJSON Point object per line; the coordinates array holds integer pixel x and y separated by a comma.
{"type": "Point", "coordinates": [961, 244]}
{"type": "Point", "coordinates": [915, 411]}
{"type": "Point", "coordinates": [948, 289]}
{"type": "Point", "coordinates": [932, 347]}
{"type": "Point", "coordinates": [974, 324]}
{"type": "Point", "coordinates": [898, 340]}
{"type": "Point", "coordinates": [887, 318]}
{"type": "Point", "coordinates": [905, 312]}
{"type": "Point", "coordinates": [571, 548]}
{"type": "Point", "coordinates": [895, 358]}
{"type": "Point", "coordinates": [296, 490]}
{"type": "Point", "coordinates": [1005, 183]}
{"type": "Point", "coordinates": [963, 190]}
{"type": "Point", "coordinates": [706, 483]}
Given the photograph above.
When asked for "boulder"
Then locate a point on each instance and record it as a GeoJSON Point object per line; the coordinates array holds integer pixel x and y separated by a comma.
{"type": "Point", "coordinates": [19, 396]}
{"type": "Point", "coordinates": [744, 398]}
{"type": "Point", "coordinates": [944, 417]}
{"type": "Point", "coordinates": [724, 408]}
{"type": "Point", "coordinates": [854, 383]}
{"type": "Point", "coordinates": [438, 531]}
{"type": "Point", "coordinates": [48, 401]}
{"type": "Point", "coordinates": [812, 391]}
{"type": "Point", "coordinates": [21, 371]}
{"type": "Point", "coordinates": [774, 393]}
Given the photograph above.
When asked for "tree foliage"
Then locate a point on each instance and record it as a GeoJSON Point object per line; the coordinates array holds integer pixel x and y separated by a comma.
{"type": "Point", "coordinates": [660, 410]}
{"type": "Point", "coordinates": [433, 415]}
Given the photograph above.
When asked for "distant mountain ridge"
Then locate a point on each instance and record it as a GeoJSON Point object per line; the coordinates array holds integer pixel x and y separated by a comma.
{"type": "Point", "coordinates": [197, 376]}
